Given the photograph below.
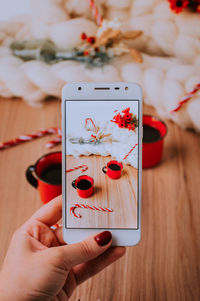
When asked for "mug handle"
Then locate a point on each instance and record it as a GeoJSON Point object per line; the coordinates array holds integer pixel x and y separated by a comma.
{"type": "Point", "coordinates": [29, 175]}
{"type": "Point", "coordinates": [73, 184]}
{"type": "Point", "coordinates": [103, 169]}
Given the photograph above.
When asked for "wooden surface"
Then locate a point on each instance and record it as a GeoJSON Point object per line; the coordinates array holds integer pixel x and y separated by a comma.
{"type": "Point", "coordinates": [166, 263]}
{"type": "Point", "coordinates": [119, 194]}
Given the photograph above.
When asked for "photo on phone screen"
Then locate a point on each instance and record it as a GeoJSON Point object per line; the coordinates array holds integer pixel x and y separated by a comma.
{"type": "Point", "coordinates": [102, 163]}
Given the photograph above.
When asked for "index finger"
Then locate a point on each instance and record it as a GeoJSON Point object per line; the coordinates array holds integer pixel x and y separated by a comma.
{"type": "Point", "coordinates": [50, 213]}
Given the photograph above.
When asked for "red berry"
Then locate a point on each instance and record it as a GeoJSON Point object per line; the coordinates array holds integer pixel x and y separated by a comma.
{"type": "Point", "coordinates": [86, 52]}
{"type": "Point", "coordinates": [83, 36]}
{"type": "Point", "coordinates": [91, 40]}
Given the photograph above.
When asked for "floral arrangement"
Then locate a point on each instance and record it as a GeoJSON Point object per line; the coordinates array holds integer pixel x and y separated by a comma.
{"type": "Point", "coordinates": [126, 120]}
{"type": "Point", "coordinates": [178, 5]}
{"type": "Point", "coordinates": [93, 51]}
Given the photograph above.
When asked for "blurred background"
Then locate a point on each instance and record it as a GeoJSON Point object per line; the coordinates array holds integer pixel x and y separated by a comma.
{"type": "Point", "coordinates": [9, 8]}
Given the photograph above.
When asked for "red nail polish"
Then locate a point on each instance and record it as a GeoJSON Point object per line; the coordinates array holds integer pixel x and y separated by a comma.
{"type": "Point", "coordinates": [103, 238]}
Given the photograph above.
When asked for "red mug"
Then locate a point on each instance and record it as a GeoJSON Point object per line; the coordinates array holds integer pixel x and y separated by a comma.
{"type": "Point", "coordinates": [47, 190]}
{"type": "Point", "coordinates": [113, 169]}
{"type": "Point", "coordinates": [84, 186]}
{"type": "Point", "coordinates": [152, 151]}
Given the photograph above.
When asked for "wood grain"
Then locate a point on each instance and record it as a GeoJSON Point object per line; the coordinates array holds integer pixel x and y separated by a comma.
{"type": "Point", "coordinates": [119, 195]}
{"type": "Point", "coordinates": [165, 265]}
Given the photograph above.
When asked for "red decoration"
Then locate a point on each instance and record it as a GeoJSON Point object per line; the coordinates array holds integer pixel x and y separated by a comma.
{"type": "Point", "coordinates": [95, 12]}
{"type": "Point", "coordinates": [83, 36]}
{"type": "Point", "coordinates": [82, 167]}
{"type": "Point", "coordinates": [125, 120]}
{"type": "Point", "coordinates": [85, 206]}
{"type": "Point", "coordinates": [54, 142]}
{"type": "Point", "coordinates": [178, 5]}
{"type": "Point", "coordinates": [86, 52]}
{"type": "Point", "coordinates": [29, 137]}
{"type": "Point", "coordinates": [125, 157]}
{"type": "Point", "coordinates": [91, 40]}
{"type": "Point", "coordinates": [186, 98]}
{"type": "Point", "coordinates": [94, 128]}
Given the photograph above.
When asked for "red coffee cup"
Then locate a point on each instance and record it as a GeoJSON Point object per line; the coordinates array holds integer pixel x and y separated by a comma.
{"type": "Point", "coordinates": [47, 190]}
{"type": "Point", "coordinates": [113, 169]}
{"type": "Point", "coordinates": [84, 186]}
{"type": "Point", "coordinates": [152, 151]}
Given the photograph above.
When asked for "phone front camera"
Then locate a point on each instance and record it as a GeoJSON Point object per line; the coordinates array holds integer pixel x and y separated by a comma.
{"type": "Point", "coordinates": [79, 88]}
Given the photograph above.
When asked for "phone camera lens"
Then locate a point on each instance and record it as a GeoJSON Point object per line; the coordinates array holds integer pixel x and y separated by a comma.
{"type": "Point", "coordinates": [79, 88]}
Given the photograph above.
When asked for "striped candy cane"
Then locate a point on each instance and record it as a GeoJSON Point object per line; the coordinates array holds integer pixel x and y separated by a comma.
{"type": "Point", "coordinates": [82, 167]}
{"type": "Point", "coordinates": [186, 98]}
{"type": "Point", "coordinates": [95, 12]}
{"type": "Point", "coordinates": [87, 120]}
{"type": "Point", "coordinates": [130, 151]}
{"type": "Point", "coordinates": [54, 142]}
{"type": "Point", "coordinates": [85, 206]}
{"type": "Point", "coordinates": [58, 139]}
{"type": "Point", "coordinates": [29, 137]}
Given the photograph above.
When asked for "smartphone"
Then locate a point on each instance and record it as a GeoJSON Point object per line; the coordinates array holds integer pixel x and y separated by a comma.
{"type": "Point", "coordinates": [102, 161]}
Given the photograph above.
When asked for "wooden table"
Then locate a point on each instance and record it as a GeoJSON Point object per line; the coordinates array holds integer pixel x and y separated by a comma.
{"type": "Point", "coordinates": [166, 263]}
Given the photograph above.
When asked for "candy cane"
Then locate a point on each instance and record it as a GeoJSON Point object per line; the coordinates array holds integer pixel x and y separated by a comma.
{"type": "Point", "coordinates": [130, 151]}
{"type": "Point", "coordinates": [93, 124]}
{"type": "Point", "coordinates": [58, 139]}
{"type": "Point", "coordinates": [83, 168]}
{"type": "Point", "coordinates": [95, 12]}
{"type": "Point", "coordinates": [186, 98]}
{"type": "Point", "coordinates": [54, 142]}
{"type": "Point", "coordinates": [85, 206]}
{"type": "Point", "coordinates": [28, 137]}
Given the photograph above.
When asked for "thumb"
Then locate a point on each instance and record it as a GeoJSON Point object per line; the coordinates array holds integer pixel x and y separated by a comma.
{"type": "Point", "coordinates": [85, 250]}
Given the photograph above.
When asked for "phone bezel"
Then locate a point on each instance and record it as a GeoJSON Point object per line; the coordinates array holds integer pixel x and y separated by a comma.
{"type": "Point", "coordinates": [102, 91]}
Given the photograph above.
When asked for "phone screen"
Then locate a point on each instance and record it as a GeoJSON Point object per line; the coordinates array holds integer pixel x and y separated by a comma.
{"type": "Point", "coordinates": [101, 166]}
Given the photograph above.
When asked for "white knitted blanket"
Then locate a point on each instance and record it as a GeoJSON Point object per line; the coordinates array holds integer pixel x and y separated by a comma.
{"type": "Point", "coordinates": [117, 143]}
{"type": "Point", "coordinates": [170, 43]}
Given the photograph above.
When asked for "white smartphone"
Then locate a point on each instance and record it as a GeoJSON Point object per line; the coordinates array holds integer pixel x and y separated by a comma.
{"type": "Point", "coordinates": [102, 161]}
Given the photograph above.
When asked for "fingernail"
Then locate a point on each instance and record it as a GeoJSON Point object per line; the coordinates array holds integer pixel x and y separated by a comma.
{"type": "Point", "coordinates": [103, 238]}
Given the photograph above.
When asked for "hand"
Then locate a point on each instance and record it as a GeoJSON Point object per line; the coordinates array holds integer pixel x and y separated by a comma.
{"type": "Point", "coordinates": [40, 266]}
